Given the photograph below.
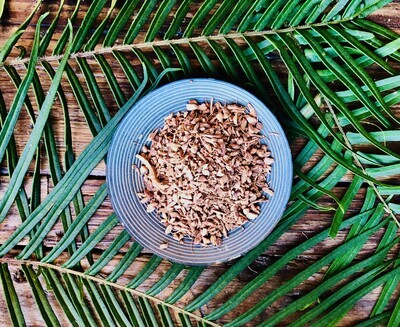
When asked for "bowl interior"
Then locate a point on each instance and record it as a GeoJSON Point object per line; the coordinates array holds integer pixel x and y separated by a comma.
{"type": "Point", "coordinates": [124, 182]}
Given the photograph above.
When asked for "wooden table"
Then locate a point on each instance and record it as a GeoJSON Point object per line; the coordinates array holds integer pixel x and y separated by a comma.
{"type": "Point", "coordinates": [313, 220]}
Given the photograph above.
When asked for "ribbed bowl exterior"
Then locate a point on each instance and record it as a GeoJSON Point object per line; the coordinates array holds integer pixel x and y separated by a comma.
{"type": "Point", "coordinates": [124, 182]}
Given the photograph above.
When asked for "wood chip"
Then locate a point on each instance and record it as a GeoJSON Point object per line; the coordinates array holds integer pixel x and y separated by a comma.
{"type": "Point", "coordinates": [205, 171]}
{"type": "Point", "coordinates": [168, 229]}
{"type": "Point", "coordinates": [163, 246]}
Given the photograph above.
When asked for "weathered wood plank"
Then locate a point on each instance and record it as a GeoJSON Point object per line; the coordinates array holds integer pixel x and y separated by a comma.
{"type": "Point", "coordinates": [309, 225]}
{"type": "Point", "coordinates": [359, 312]}
{"type": "Point", "coordinates": [312, 222]}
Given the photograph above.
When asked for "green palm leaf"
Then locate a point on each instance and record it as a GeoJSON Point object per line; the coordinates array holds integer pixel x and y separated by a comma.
{"type": "Point", "coordinates": [304, 56]}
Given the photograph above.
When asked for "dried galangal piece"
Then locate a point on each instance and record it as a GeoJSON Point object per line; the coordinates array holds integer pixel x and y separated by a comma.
{"type": "Point", "coordinates": [205, 171]}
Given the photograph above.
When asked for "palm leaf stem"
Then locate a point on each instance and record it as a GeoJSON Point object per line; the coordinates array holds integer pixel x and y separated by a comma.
{"type": "Point", "coordinates": [163, 43]}
{"type": "Point", "coordinates": [358, 163]}
{"type": "Point", "coordinates": [101, 281]}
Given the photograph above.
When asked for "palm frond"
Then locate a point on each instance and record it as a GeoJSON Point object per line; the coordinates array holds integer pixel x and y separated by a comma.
{"type": "Point", "coordinates": [113, 303]}
{"type": "Point", "coordinates": [299, 54]}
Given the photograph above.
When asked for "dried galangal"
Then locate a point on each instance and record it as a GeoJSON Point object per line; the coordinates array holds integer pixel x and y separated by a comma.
{"type": "Point", "coordinates": [205, 171]}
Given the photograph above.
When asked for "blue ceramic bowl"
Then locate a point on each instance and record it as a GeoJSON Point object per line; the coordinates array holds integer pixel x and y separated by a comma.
{"type": "Point", "coordinates": [124, 182]}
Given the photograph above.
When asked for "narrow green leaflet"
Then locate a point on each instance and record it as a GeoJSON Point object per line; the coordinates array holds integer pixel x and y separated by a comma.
{"type": "Point", "coordinates": [12, 159]}
{"type": "Point", "coordinates": [134, 315]}
{"type": "Point", "coordinates": [91, 241]}
{"type": "Point", "coordinates": [183, 288]}
{"type": "Point", "coordinates": [111, 80]}
{"type": "Point", "coordinates": [115, 307]}
{"type": "Point", "coordinates": [56, 201]}
{"type": "Point", "coordinates": [220, 14]}
{"type": "Point", "coordinates": [147, 270]}
{"type": "Point", "coordinates": [128, 69]}
{"type": "Point", "coordinates": [12, 117]}
{"type": "Point", "coordinates": [328, 284]}
{"type": "Point", "coordinates": [44, 43]}
{"type": "Point", "coordinates": [166, 279]}
{"type": "Point", "coordinates": [87, 24]}
{"type": "Point", "coordinates": [235, 14]}
{"type": "Point", "coordinates": [274, 268]}
{"type": "Point", "coordinates": [126, 262]}
{"type": "Point", "coordinates": [7, 47]}
{"type": "Point", "coordinates": [109, 253]}
{"type": "Point", "coordinates": [148, 312]}
{"type": "Point", "coordinates": [39, 294]}
{"type": "Point", "coordinates": [100, 30]}
{"type": "Point", "coordinates": [302, 57]}
{"type": "Point", "coordinates": [379, 320]}
{"type": "Point", "coordinates": [395, 317]}
{"type": "Point", "coordinates": [273, 296]}
{"type": "Point", "coordinates": [349, 302]}
{"type": "Point", "coordinates": [345, 205]}
{"type": "Point", "coordinates": [99, 303]}
{"type": "Point", "coordinates": [62, 297]}
{"type": "Point", "coordinates": [201, 13]}
{"type": "Point", "coordinates": [13, 305]}
{"type": "Point", "coordinates": [74, 288]}
{"type": "Point", "coordinates": [78, 224]}
{"type": "Point", "coordinates": [83, 101]}
{"type": "Point", "coordinates": [94, 89]}
{"type": "Point", "coordinates": [162, 13]}
{"type": "Point", "coordinates": [34, 139]}
{"type": "Point", "coordinates": [270, 12]}
{"type": "Point", "coordinates": [380, 136]}
{"type": "Point", "coordinates": [139, 20]}
{"type": "Point", "coordinates": [179, 16]}
{"type": "Point", "coordinates": [119, 22]}
{"type": "Point", "coordinates": [165, 315]}
{"type": "Point", "coordinates": [62, 41]}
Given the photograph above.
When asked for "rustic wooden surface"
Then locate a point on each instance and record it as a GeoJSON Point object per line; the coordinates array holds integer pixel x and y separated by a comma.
{"type": "Point", "coordinates": [310, 224]}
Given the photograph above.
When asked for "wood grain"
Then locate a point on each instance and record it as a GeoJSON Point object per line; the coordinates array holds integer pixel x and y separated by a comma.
{"type": "Point", "coordinates": [310, 224]}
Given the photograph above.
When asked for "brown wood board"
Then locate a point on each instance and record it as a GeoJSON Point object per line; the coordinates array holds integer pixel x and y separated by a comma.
{"type": "Point", "coordinates": [312, 222]}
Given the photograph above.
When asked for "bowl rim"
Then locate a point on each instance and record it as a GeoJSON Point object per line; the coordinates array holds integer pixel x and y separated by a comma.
{"type": "Point", "coordinates": [153, 94]}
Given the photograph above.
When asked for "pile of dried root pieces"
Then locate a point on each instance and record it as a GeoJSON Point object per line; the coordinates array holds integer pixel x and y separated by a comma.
{"type": "Point", "coordinates": [205, 171]}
